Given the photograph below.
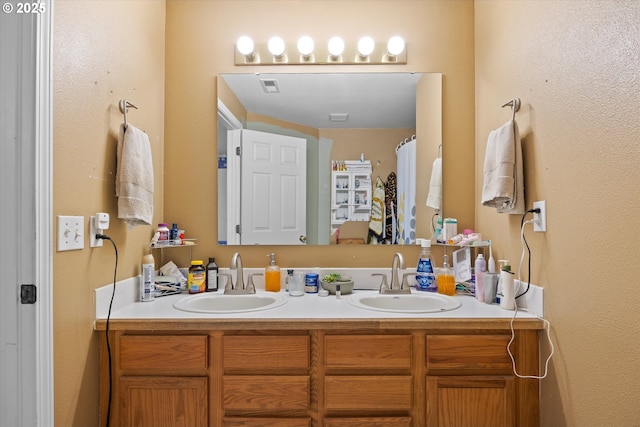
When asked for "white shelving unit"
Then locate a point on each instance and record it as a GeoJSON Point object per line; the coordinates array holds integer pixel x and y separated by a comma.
{"type": "Point", "coordinates": [350, 192]}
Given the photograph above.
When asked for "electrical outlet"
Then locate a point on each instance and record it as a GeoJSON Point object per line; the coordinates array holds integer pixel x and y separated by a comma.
{"type": "Point", "coordinates": [70, 233]}
{"type": "Point", "coordinates": [540, 219]}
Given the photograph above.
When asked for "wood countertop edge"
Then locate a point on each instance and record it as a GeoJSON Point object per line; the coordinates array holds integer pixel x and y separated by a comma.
{"type": "Point", "coordinates": [206, 324]}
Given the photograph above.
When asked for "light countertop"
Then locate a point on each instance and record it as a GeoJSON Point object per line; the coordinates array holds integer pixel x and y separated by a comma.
{"type": "Point", "coordinates": [304, 312]}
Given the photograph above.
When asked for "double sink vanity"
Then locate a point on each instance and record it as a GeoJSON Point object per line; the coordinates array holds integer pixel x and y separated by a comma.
{"type": "Point", "coordinates": [270, 359]}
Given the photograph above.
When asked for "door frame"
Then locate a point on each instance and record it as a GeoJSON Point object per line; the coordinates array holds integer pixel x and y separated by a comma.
{"type": "Point", "coordinates": [43, 216]}
{"type": "Point", "coordinates": [231, 140]}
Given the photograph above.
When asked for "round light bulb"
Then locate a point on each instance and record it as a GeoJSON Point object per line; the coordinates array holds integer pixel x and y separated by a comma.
{"type": "Point", "coordinates": [305, 45]}
{"type": "Point", "coordinates": [276, 46]}
{"type": "Point", "coordinates": [336, 46]}
{"type": "Point", "coordinates": [366, 46]}
{"type": "Point", "coordinates": [395, 45]}
{"type": "Point", "coordinates": [245, 45]}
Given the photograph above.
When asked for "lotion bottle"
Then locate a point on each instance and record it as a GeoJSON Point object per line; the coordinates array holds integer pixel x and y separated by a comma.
{"type": "Point", "coordinates": [480, 268]}
{"type": "Point", "coordinates": [507, 286]}
{"type": "Point", "coordinates": [272, 275]}
{"type": "Point", "coordinates": [147, 279]}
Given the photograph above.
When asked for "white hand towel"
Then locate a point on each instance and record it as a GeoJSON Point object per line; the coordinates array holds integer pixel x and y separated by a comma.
{"type": "Point", "coordinates": [134, 177]}
{"type": "Point", "coordinates": [434, 198]}
{"type": "Point", "coordinates": [503, 186]}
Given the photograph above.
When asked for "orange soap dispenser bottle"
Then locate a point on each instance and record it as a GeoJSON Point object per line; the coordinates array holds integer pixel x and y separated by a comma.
{"type": "Point", "coordinates": [272, 275]}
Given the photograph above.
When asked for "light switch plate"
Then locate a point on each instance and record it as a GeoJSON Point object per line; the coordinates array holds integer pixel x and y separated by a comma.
{"type": "Point", "coordinates": [70, 233]}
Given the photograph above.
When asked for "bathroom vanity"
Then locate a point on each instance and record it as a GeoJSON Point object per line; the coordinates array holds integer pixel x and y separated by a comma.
{"type": "Point", "coordinates": [319, 362]}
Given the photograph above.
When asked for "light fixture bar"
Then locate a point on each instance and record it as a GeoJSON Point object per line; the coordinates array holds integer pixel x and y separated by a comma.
{"type": "Point", "coordinates": [320, 55]}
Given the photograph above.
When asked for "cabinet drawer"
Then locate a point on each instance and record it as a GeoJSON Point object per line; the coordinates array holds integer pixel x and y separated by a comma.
{"type": "Point", "coordinates": [266, 353]}
{"type": "Point", "coordinates": [368, 422]}
{"type": "Point", "coordinates": [367, 352]}
{"type": "Point", "coordinates": [468, 354]}
{"type": "Point", "coordinates": [369, 393]}
{"type": "Point", "coordinates": [265, 393]}
{"type": "Point", "coordinates": [163, 352]}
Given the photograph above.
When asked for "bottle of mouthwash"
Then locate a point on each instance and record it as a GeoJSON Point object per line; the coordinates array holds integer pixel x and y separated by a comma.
{"type": "Point", "coordinates": [425, 279]}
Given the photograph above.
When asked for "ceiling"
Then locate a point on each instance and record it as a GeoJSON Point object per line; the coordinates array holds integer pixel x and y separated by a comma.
{"type": "Point", "coordinates": [371, 100]}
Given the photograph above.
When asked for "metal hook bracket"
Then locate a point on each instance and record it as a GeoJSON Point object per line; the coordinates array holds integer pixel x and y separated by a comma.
{"type": "Point", "coordinates": [515, 106]}
{"type": "Point", "coordinates": [124, 107]}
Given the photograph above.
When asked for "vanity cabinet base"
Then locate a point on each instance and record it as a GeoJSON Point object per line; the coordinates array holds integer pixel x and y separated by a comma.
{"type": "Point", "coordinates": [319, 378]}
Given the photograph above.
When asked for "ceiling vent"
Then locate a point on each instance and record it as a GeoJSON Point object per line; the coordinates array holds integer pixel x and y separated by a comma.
{"type": "Point", "coordinates": [270, 86]}
{"type": "Point", "coordinates": [338, 117]}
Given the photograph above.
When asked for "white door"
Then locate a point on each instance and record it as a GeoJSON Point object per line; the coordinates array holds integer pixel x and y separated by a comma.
{"type": "Point", "coordinates": [26, 389]}
{"type": "Point", "coordinates": [273, 189]}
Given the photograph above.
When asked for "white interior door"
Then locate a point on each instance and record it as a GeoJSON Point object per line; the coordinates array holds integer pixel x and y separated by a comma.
{"type": "Point", "coordinates": [273, 189]}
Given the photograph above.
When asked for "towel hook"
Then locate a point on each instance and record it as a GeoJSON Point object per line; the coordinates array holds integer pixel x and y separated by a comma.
{"type": "Point", "coordinates": [124, 107]}
{"type": "Point", "coordinates": [515, 106]}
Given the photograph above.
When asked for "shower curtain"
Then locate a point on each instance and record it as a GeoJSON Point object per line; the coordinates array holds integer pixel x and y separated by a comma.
{"type": "Point", "coordinates": [406, 154]}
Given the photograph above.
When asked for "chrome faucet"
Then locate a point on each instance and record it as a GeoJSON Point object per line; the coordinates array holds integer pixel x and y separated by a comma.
{"type": "Point", "coordinates": [396, 286]}
{"type": "Point", "coordinates": [239, 287]}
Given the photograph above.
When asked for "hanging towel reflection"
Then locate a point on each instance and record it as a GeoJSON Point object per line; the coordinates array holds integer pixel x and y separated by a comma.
{"type": "Point", "coordinates": [434, 198]}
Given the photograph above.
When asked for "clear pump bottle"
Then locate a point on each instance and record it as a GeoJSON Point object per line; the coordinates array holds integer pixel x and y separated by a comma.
{"type": "Point", "coordinates": [446, 280]}
{"type": "Point", "coordinates": [272, 275]}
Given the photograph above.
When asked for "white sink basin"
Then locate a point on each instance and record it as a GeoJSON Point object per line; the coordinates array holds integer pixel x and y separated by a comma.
{"type": "Point", "coordinates": [405, 303]}
{"type": "Point", "coordinates": [226, 304]}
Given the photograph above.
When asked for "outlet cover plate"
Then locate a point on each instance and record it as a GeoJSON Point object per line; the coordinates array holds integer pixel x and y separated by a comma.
{"type": "Point", "coordinates": [540, 219]}
{"type": "Point", "coordinates": [70, 233]}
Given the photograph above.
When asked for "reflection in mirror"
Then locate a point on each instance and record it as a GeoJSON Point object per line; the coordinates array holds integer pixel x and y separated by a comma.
{"type": "Point", "coordinates": [312, 158]}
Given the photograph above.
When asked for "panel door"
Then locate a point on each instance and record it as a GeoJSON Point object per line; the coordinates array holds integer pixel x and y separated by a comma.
{"type": "Point", "coordinates": [163, 402]}
{"type": "Point", "coordinates": [273, 188]}
{"type": "Point", "coordinates": [471, 401]}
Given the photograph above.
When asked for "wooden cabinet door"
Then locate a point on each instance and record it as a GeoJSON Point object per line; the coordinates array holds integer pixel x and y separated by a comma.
{"type": "Point", "coordinates": [163, 402]}
{"type": "Point", "coordinates": [487, 401]}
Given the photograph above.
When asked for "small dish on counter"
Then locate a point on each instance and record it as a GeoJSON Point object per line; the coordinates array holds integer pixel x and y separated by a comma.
{"type": "Point", "coordinates": [330, 281]}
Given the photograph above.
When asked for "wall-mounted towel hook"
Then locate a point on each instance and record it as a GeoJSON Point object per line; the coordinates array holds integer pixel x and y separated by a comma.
{"type": "Point", "coordinates": [124, 107]}
{"type": "Point", "coordinates": [515, 106]}
{"type": "Point", "coordinates": [439, 151]}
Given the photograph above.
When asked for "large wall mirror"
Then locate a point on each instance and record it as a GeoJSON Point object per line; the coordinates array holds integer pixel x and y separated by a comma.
{"type": "Point", "coordinates": [315, 158]}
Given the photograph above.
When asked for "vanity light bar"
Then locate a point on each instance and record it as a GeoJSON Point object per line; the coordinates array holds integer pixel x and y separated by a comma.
{"type": "Point", "coordinates": [260, 54]}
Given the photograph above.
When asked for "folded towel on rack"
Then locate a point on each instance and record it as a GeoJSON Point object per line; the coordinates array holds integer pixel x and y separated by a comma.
{"type": "Point", "coordinates": [434, 198]}
{"type": "Point", "coordinates": [503, 186]}
{"type": "Point", "coordinates": [134, 177]}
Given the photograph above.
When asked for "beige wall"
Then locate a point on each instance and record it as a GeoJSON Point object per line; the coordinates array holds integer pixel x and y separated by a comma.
{"type": "Point", "coordinates": [200, 41]}
{"type": "Point", "coordinates": [576, 67]}
{"type": "Point", "coordinates": [103, 51]}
